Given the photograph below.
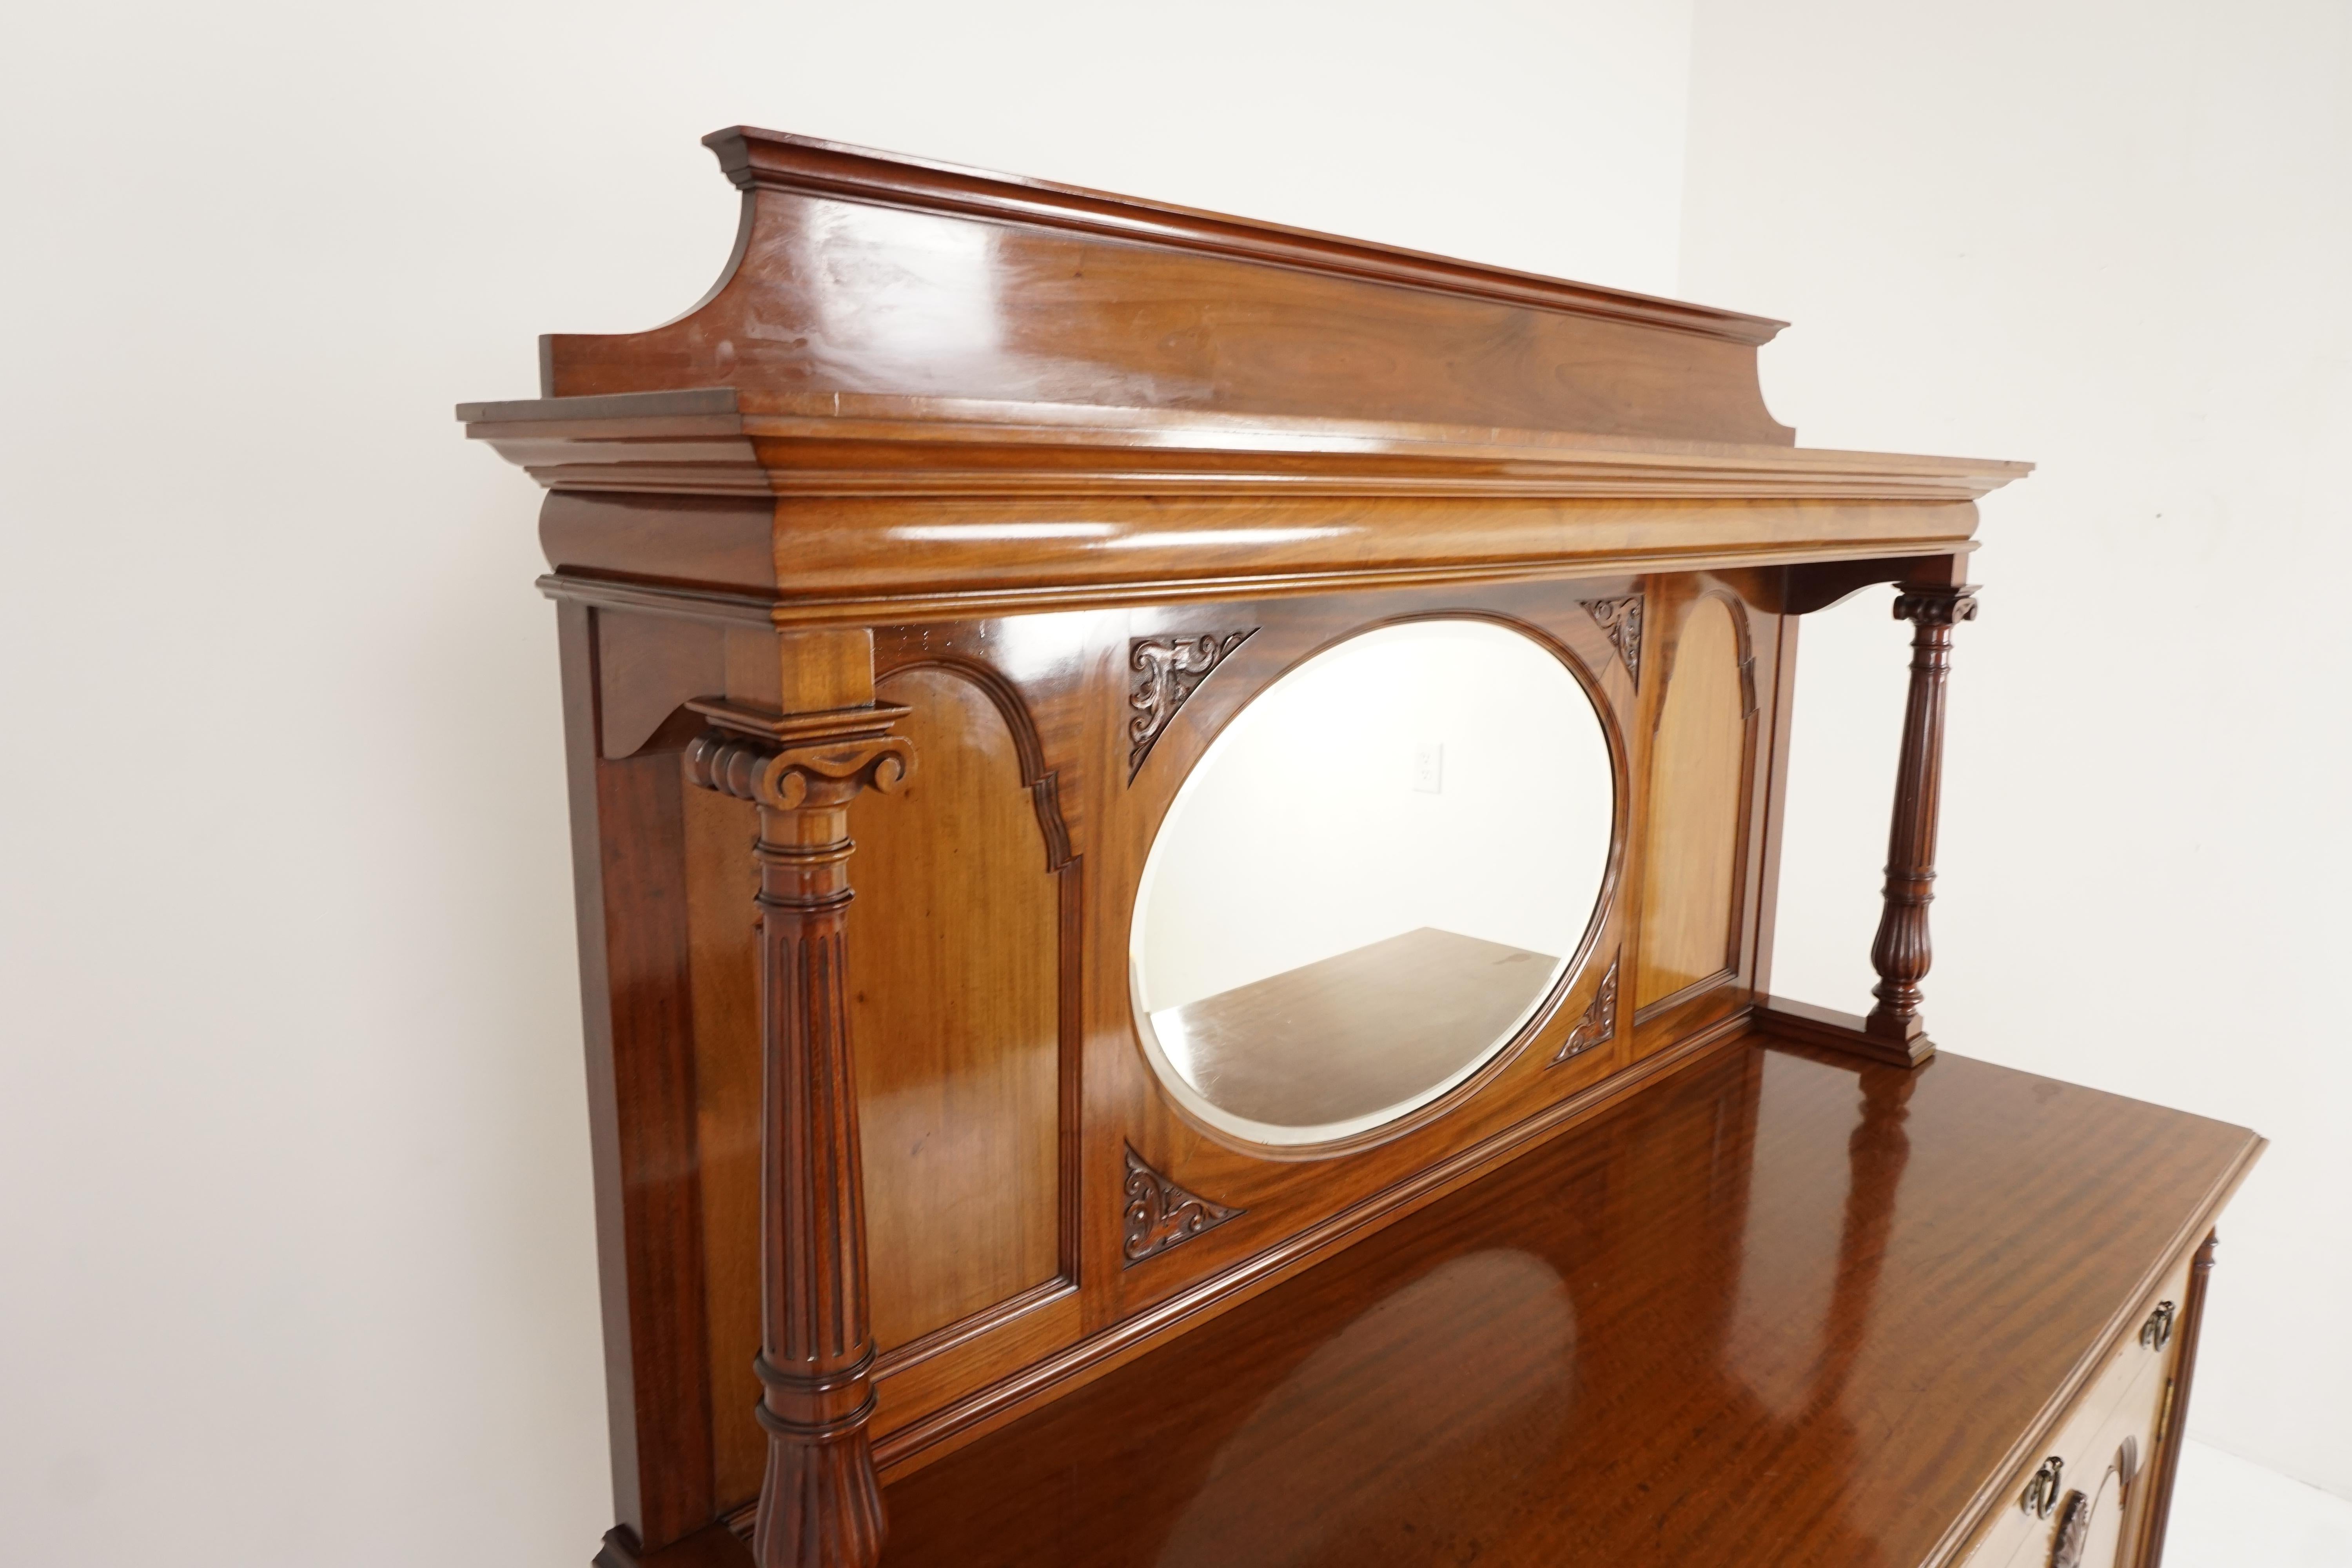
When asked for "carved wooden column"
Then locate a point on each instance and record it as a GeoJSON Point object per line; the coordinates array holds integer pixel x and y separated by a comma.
{"type": "Point", "coordinates": [820, 1505]}
{"type": "Point", "coordinates": [1902, 953]}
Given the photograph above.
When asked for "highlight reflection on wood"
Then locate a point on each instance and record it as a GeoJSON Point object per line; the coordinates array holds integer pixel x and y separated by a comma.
{"type": "Point", "coordinates": [1354, 1034]}
{"type": "Point", "coordinates": [1692, 871]}
{"type": "Point", "coordinates": [964, 443]}
{"type": "Point", "coordinates": [1782, 1310]}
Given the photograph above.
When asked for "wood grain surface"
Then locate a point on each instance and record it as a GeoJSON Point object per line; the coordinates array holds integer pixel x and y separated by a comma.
{"type": "Point", "coordinates": [1699, 778]}
{"type": "Point", "coordinates": [972, 437]}
{"type": "Point", "coordinates": [1782, 1310]}
{"type": "Point", "coordinates": [863, 271]}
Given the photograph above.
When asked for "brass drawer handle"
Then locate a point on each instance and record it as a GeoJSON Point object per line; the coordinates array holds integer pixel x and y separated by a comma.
{"type": "Point", "coordinates": [2156, 1332]}
{"type": "Point", "coordinates": [2042, 1491]}
{"type": "Point", "coordinates": [2074, 1533]}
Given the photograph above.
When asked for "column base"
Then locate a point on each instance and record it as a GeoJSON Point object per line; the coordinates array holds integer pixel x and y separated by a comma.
{"type": "Point", "coordinates": [1805, 1023]}
{"type": "Point", "coordinates": [712, 1546]}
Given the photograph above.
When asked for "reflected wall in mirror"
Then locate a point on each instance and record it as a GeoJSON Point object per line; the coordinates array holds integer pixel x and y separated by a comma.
{"type": "Point", "coordinates": [1371, 880]}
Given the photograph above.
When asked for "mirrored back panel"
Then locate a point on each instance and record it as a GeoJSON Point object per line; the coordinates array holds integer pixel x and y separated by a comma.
{"type": "Point", "coordinates": [1203, 932]}
{"type": "Point", "coordinates": [1423, 815]}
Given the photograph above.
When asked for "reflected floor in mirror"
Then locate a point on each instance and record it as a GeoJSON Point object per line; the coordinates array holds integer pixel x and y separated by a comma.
{"type": "Point", "coordinates": [1355, 1034]}
{"type": "Point", "coordinates": [1750, 1318]}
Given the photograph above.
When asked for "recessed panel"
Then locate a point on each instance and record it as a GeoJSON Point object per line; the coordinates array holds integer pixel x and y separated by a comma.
{"type": "Point", "coordinates": [1690, 874]}
{"type": "Point", "coordinates": [953, 961]}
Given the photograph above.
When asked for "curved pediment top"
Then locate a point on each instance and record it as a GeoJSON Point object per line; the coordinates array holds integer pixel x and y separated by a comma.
{"type": "Point", "coordinates": [777, 160]}
{"type": "Point", "coordinates": [865, 273]}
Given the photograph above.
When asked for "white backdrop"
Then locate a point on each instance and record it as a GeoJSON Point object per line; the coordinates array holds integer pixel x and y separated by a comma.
{"type": "Point", "coordinates": [298, 1262]}
{"type": "Point", "coordinates": [2114, 239]}
{"type": "Point", "coordinates": [298, 1253]}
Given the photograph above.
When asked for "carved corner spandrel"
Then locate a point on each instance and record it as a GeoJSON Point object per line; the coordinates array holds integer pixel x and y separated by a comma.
{"type": "Point", "coordinates": [1622, 619]}
{"type": "Point", "coordinates": [1161, 1214]}
{"type": "Point", "coordinates": [1598, 1025]}
{"type": "Point", "coordinates": [1168, 670]}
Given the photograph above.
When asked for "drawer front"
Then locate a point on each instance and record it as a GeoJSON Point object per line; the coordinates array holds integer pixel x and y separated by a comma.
{"type": "Point", "coordinates": [2089, 1479]}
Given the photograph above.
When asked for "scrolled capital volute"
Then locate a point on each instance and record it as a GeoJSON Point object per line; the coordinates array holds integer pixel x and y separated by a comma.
{"type": "Point", "coordinates": [788, 762]}
{"type": "Point", "coordinates": [1925, 606]}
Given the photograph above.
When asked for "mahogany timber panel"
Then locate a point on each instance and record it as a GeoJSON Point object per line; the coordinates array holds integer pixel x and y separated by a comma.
{"type": "Point", "coordinates": [1697, 773]}
{"type": "Point", "coordinates": [1782, 1310]}
{"type": "Point", "coordinates": [954, 1015]}
{"type": "Point", "coordinates": [1357, 1032]}
{"type": "Point", "coordinates": [720, 879]}
{"type": "Point", "coordinates": [862, 272]}
{"type": "Point", "coordinates": [635, 1001]}
{"type": "Point", "coordinates": [954, 1008]}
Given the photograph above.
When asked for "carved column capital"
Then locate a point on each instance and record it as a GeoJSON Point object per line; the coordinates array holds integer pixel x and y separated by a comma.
{"type": "Point", "coordinates": [788, 762]}
{"type": "Point", "coordinates": [1930, 604]}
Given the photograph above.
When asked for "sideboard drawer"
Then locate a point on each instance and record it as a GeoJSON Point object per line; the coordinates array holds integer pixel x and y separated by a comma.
{"type": "Point", "coordinates": [2088, 1481]}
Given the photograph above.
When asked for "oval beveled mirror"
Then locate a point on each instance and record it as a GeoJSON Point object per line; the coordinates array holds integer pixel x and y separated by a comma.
{"type": "Point", "coordinates": [1371, 880]}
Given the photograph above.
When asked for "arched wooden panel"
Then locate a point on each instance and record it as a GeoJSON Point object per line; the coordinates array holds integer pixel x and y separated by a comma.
{"type": "Point", "coordinates": [1690, 877]}
{"type": "Point", "coordinates": [953, 1004]}
{"type": "Point", "coordinates": [954, 1015]}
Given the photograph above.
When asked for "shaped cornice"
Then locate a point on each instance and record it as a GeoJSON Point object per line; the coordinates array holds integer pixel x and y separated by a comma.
{"type": "Point", "coordinates": [779, 161]}
{"type": "Point", "coordinates": [929, 392]}
{"type": "Point", "coordinates": [856, 272]}
{"type": "Point", "coordinates": [718, 441]}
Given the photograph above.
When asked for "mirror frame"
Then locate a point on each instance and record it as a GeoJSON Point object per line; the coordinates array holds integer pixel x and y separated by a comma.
{"type": "Point", "coordinates": [1196, 733]}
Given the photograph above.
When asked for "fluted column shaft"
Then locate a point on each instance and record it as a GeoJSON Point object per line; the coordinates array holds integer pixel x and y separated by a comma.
{"type": "Point", "coordinates": [1902, 951]}
{"type": "Point", "coordinates": [819, 1503]}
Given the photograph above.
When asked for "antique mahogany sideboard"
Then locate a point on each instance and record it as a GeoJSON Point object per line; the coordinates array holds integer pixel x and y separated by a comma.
{"type": "Point", "coordinates": [1298, 1080]}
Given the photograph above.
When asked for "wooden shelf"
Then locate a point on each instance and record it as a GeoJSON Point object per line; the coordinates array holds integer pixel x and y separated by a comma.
{"type": "Point", "coordinates": [1354, 1034]}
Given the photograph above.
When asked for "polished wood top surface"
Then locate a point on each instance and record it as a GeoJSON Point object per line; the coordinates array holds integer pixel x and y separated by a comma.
{"type": "Point", "coordinates": [1357, 1033]}
{"type": "Point", "coordinates": [1784, 1308]}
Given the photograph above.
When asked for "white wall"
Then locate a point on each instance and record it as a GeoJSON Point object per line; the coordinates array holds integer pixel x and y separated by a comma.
{"type": "Point", "coordinates": [298, 1264]}
{"type": "Point", "coordinates": [2115, 239]}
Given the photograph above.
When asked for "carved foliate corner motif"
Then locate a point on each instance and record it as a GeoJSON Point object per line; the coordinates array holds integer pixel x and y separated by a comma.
{"type": "Point", "coordinates": [1622, 619]}
{"type": "Point", "coordinates": [1598, 1025]}
{"type": "Point", "coordinates": [1159, 1214]}
{"type": "Point", "coordinates": [1167, 671]}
